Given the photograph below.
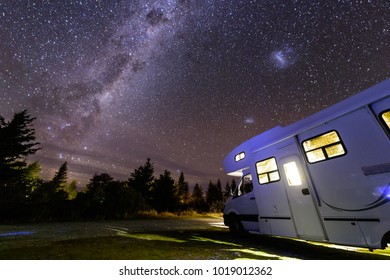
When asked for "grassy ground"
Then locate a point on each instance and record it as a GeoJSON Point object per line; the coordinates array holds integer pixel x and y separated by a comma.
{"type": "Point", "coordinates": [211, 243]}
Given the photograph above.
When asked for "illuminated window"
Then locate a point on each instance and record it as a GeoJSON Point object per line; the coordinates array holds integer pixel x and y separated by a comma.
{"type": "Point", "coordinates": [267, 171]}
{"type": "Point", "coordinates": [323, 147]}
{"type": "Point", "coordinates": [386, 118]}
{"type": "Point", "coordinates": [292, 174]}
{"type": "Point", "coordinates": [239, 156]}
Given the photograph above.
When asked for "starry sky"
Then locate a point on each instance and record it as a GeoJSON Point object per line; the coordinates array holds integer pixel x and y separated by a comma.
{"type": "Point", "coordinates": [182, 82]}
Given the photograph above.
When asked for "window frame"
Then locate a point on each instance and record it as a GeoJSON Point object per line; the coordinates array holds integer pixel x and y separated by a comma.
{"type": "Point", "coordinates": [268, 172]}
{"type": "Point", "coordinates": [240, 188]}
{"type": "Point", "coordinates": [323, 148]}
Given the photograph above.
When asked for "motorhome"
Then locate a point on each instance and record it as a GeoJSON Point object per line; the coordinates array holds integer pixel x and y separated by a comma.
{"type": "Point", "coordinates": [324, 178]}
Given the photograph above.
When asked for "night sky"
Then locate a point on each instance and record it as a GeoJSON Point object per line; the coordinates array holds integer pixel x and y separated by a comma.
{"type": "Point", "coordinates": [179, 81]}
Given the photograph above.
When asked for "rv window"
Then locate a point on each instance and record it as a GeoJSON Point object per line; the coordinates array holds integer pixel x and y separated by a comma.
{"type": "Point", "coordinates": [267, 171]}
{"type": "Point", "coordinates": [245, 185]}
{"type": "Point", "coordinates": [386, 118]}
{"type": "Point", "coordinates": [323, 147]}
{"type": "Point", "coordinates": [239, 156]}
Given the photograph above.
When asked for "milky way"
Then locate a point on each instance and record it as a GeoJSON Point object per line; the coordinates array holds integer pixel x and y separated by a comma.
{"type": "Point", "coordinates": [179, 81]}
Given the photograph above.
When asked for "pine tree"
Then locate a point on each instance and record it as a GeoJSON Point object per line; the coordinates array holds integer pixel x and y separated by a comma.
{"type": "Point", "coordinates": [60, 178]}
{"type": "Point", "coordinates": [197, 199]}
{"type": "Point", "coordinates": [227, 190]}
{"type": "Point", "coordinates": [214, 196]}
{"type": "Point", "coordinates": [183, 190]}
{"type": "Point", "coordinates": [96, 195]}
{"type": "Point", "coordinates": [142, 180]}
{"type": "Point", "coordinates": [71, 189]}
{"type": "Point", "coordinates": [50, 200]}
{"type": "Point", "coordinates": [17, 142]}
{"type": "Point", "coordinates": [214, 193]}
{"type": "Point", "coordinates": [165, 193]}
{"type": "Point", "coordinates": [17, 178]}
{"type": "Point", "coordinates": [31, 176]}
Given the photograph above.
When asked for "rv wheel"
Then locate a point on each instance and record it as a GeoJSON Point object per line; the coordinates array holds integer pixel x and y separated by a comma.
{"type": "Point", "coordinates": [386, 240]}
{"type": "Point", "coordinates": [235, 225]}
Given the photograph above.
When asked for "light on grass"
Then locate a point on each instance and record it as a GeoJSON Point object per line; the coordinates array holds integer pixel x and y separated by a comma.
{"type": "Point", "coordinates": [256, 254]}
{"type": "Point", "coordinates": [202, 239]}
{"type": "Point", "coordinates": [145, 236]}
{"type": "Point", "coordinates": [150, 237]}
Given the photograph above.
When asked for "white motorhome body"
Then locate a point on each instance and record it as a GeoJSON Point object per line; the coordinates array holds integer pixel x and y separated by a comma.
{"type": "Point", "coordinates": [323, 178]}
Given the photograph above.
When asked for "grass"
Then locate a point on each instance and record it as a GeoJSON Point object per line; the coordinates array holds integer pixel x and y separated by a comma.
{"type": "Point", "coordinates": [153, 214]}
{"type": "Point", "coordinates": [214, 243]}
{"type": "Point", "coordinates": [134, 246]}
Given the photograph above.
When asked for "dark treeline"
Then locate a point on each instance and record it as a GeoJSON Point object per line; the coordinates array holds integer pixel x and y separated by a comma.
{"type": "Point", "coordinates": [24, 196]}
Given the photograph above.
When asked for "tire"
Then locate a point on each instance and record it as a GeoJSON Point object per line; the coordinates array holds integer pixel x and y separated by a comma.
{"type": "Point", "coordinates": [235, 226]}
{"type": "Point", "coordinates": [385, 240]}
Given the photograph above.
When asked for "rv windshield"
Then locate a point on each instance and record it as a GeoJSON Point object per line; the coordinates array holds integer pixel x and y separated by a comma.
{"type": "Point", "coordinates": [245, 185]}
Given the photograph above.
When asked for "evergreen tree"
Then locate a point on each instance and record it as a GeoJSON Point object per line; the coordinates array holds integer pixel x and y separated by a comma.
{"type": "Point", "coordinates": [120, 200]}
{"type": "Point", "coordinates": [227, 190]}
{"type": "Point", "coordinates": [71, 189]}
{"type": "Point", "coordinates": [142, 180]}
{"type": "Point", "coordinates": [214, 196]}
{"type": "Point", "coordinates": [31, 177]}
{"type": "Point", "coordinates": [106, 198]}
{"type": "Point", "coordinates": [165, 193]}
{"type": "Point", "coordinates": [17, 178]}
{"type": "Point", "coordinates": [214, 192]}
{"type": "Point", "coordinates": [197, 199]}
{"type": "Point", "coordinates": [49, 200]}
{"type": "Point", "coordinates": [95, 196]}
{"type": "Point", "coordinates": [60, 178]}
{"type": "Point", "coordinates": [17, 142]}
{"type": "Point", "coordinates": [183, 190]}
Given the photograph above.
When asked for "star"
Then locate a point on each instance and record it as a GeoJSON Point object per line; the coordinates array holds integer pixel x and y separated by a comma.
{"type": "Point", "coordinates": [182, 82]}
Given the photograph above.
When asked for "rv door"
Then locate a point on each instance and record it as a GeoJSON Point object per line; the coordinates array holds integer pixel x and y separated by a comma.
{"type": "Point", "coordinates": [301, 198]}
{"type": "Point", "coordinates": [244, 201]}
